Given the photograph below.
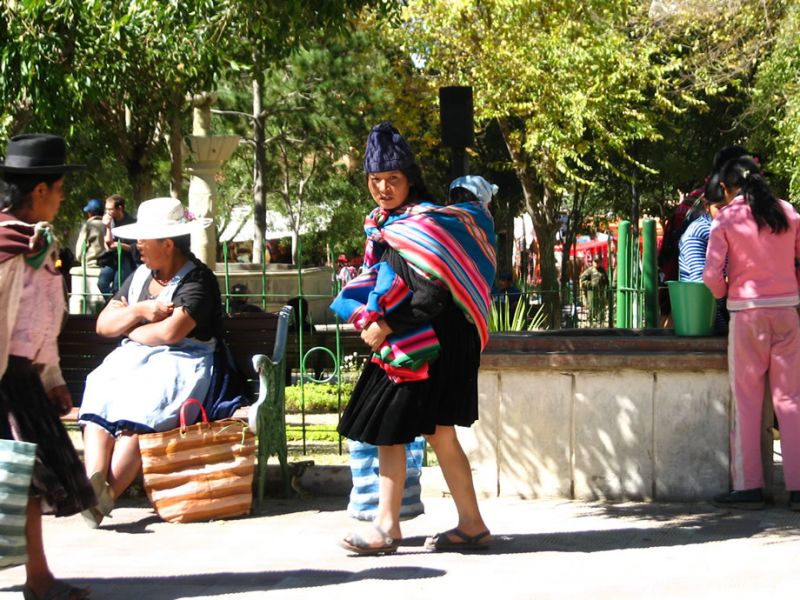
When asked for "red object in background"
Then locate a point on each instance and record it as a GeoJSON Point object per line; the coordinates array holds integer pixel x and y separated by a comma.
{"type": "Point", "coordinates": [590, 249]}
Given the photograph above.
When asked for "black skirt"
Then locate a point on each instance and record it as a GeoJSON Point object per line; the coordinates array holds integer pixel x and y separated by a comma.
{"type": "Point", "coordinates": [27, 415]}
{"type": "Point", "coordinates": [383, 413]}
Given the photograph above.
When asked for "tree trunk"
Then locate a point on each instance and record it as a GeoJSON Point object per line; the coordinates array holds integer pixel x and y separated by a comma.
{"type": "Point", "coordinates": [543, 206]}
{"type": "Point", "coordinates": [551, 297]}
{"type": "Point", "coordinates": [259, 168]}
{"type": "Point", "coordinates": [140, 177]}
{"type": "Point", "coordinates": [176, 155]}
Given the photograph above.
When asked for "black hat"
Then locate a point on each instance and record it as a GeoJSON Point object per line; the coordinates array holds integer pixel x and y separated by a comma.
{"type": "Point", "coordinates": [386, 150]}
{"type": "Point", "coordinates": [37, 153]}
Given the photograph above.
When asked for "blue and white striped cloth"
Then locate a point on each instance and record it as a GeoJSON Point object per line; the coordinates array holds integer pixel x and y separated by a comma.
{"type": "Point", "coordinates": [692, 249]}
{"type": "Point", "coordinates": [363, 503]}
{"type": "Point", "coordinates": [16, 470]}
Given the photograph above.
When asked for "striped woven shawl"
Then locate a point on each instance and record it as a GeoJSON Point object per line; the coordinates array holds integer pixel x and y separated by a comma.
{"type": "Point", "coordinates": [454, 244]}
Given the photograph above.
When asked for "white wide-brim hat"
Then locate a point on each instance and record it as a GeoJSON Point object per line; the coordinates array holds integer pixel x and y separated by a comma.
{"type": "Point", "coordinates": [161, 218]}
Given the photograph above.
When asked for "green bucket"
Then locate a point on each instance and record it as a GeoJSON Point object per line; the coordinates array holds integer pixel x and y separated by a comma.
{"type": "Point", "coordinates": [693, 308]}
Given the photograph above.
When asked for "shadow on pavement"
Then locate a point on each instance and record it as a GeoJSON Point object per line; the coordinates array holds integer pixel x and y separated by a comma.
{"type": "Point", "coordinates": [219, 584]}
{"type": "Point", "coordinates": [670, 526]}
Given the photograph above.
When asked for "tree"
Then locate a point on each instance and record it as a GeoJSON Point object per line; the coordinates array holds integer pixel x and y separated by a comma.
{"type": "Point", "coordinates": [258, 34]}
{"type": "Point", "coordinates": [774, 115]}
{"type": "Point", "coordinates": [320, 102]}
{"type": "Point", "coordinates": [139, 74]}
{"type": "Point", "coordinates": [36, 61]}
{"type": "Point", "coordinates": [125, 67]}
{"type": "Point", "coordinates": [571, 86]}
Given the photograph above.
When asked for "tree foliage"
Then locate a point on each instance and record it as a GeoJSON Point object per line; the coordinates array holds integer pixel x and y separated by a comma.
{"type": "Point", "coordinates": [774, 115]}
{"type": "Point", "coordinates": [574, 100]}
{"type": "Point", "coordinates": [573, 87]}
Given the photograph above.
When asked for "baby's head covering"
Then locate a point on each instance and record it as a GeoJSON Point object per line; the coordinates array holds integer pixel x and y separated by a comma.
{"type": "Point", "coordinates": [386, 150]}
{"type": "Point", "coordinates": [477, 186]}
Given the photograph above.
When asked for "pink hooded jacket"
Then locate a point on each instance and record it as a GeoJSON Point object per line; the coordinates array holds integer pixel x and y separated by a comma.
{"type": "Point", "coordinates": [762, 267]}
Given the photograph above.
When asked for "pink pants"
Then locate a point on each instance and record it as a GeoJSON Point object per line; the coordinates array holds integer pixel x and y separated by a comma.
{"type": "Point", "coordinates": [764, 341]}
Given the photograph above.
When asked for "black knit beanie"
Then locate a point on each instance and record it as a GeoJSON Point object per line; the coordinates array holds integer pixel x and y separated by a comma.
{"type": "Point", "coordinates": [386, 150]}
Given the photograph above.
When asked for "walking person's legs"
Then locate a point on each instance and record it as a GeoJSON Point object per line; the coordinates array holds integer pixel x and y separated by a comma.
{"type": "Point", "coordinates": [392, 465]}
{"type": "Point", "coordinates": [385, 534]}
{"type": "Point", "coordinates": [471, 529]}
{"type": "Point", "coordinates": [39, 580]}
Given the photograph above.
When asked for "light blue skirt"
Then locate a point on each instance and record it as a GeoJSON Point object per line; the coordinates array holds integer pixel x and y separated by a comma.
{"type": "Point", "coordinates": [141, 388]}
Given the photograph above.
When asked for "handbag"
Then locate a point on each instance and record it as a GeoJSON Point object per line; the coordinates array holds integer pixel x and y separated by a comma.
{"type": "Point", "coordinates": [16, 470]}
{"type": "Point", "coordinates": [199, 472]}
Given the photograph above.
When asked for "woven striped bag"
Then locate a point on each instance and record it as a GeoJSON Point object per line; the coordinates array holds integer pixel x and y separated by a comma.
{"type": "Point", "coordinates": [199, 472]}
{"type": "Point", "coordinates": [364, 468]}
{"type": "Point", "coordinates": [16, 469]}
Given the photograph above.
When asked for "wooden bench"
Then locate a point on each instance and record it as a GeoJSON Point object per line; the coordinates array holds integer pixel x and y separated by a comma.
{"type": "Point", "coordinates": [251, 338]}
{"type": "Point", "coordinates": [82, 349]}
{"type": "Point", "coordinates": [261, 345]}
{"type": "Point", "coordinates": [247, 334]}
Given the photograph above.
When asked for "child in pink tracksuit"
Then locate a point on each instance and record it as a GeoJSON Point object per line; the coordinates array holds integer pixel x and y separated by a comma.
{"type": "Point", "coordinates": [759, 237]}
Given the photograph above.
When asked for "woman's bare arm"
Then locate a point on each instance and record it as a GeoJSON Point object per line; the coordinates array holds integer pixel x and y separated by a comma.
{"type": "Point", "coordinates": [170, 330]}
{"type": "Point", "coordinates": [118, 317]}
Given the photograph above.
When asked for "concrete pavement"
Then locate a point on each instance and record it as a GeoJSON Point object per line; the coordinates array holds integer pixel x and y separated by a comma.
{"type": "Point", "coordinates": [543, 549]}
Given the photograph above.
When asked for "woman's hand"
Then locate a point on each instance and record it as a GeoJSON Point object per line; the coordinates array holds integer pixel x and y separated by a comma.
{"type": "Point", "coordinates": [169, 330]}
{"type": "Point", "coordinates": [61, 399]}
{"type": "Point", "coordinates": [154, 311]}
{"type": "Point", "coordinates": [375, 334]}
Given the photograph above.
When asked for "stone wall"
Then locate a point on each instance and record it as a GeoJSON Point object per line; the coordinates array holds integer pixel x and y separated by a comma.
{"type": "Point", "coordinates": [611, 415]}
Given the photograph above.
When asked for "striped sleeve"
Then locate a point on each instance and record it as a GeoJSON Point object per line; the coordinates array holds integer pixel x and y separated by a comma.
{"type": "Point", "coordinates": [692, 256]}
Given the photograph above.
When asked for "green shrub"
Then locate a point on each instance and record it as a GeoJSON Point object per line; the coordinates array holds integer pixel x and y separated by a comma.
{"type": "Point", "coordinates": [319, 397]}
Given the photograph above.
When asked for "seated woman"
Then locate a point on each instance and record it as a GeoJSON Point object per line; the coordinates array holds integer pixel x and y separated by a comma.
{"type": "Point", "coordinates": [169, 311]}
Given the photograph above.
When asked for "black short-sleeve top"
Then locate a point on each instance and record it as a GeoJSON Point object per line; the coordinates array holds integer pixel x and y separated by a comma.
{"type": "Point", "coordinates": [198, 293]}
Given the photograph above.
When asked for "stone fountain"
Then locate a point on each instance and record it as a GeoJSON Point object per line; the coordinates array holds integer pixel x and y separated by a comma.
{"type": "Point", "coordinates": [207, 153]}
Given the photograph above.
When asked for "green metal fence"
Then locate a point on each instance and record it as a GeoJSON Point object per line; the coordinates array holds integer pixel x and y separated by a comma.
{"type": "Point", "coordinates": [634, 297]}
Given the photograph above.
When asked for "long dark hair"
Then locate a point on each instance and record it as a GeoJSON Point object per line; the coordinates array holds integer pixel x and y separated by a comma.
{"type": "Point", "coordinates": [15, 191]}
{"type": "Point", "coordinates": [745, 174]}
{"type": "Point", "coordinates": [418, 191]}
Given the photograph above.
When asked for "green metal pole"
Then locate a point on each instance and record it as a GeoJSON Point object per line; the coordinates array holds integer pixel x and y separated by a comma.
{"type": "Point", "coordinates": [227, 278]}
{"type": "Point", "coordinates": [119, 264]}
{"type": "Point", "coordinates": [609, 315]}
{"type": "Point", "coordinates": [623, 275]}
{"type": "Point", "coordinates": [85, 289]}
{"type": "Point", "coordinates": [264, 277]}
{"type": "Point", "coordinates": [338, 360]}
{"type": "Point", "coordinates": [650, 274]}
{"type": "Point", "coordinates": [299, 331]}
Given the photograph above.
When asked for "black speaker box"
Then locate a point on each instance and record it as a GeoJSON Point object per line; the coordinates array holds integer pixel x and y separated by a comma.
{"type": "Point", "coordinates": [455, 114]}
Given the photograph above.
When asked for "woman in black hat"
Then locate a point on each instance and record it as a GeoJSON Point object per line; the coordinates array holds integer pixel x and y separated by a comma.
{"type": "Point", "coordinates": [33, 394]}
